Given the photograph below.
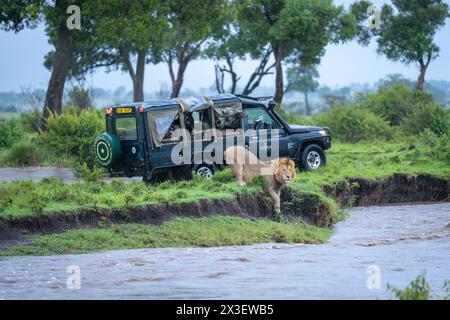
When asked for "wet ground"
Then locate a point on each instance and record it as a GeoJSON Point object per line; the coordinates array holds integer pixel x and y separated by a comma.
{"type": "Point", "coordinates": [397, 241]}
{"type": "Point", "coordinates": [39, 173]}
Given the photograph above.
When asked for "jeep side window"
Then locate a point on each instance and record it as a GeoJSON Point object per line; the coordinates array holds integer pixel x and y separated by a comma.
{"type": "Point", "coordinates": [228, 118]}
{"type": "Point", "coordinates": [202, 120]}
{"type": "Point", "coordinates": [126, 128]}
{"type": "Point", "coordinates": [259, 118]}
{"type": "Point", "coordinates": [163, 126]}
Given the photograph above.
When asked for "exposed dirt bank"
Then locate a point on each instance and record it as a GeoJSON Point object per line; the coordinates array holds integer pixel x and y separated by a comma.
{"type": "Point", "coordinates": [398, 188]}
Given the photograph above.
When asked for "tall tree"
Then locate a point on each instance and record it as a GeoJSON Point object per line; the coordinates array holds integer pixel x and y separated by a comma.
{"type": "Point", "coordinates": [16, 15]}
{"type": "Point", "coordinates": [299, 30]}
{"type": "Point", "coordinates": [236, 42]}
{"type": "Point", "coordinates": [406, 31]}
{"type": "Point", "coordinates": [190, 26]}
{"type": "Point", "coordinates": [126, 37]}
{"type": "Point", "coordinates": [303, 79]}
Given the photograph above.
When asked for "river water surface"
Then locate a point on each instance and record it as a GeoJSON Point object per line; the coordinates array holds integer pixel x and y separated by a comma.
{"type": "Point", "coordinates": [397, 241]}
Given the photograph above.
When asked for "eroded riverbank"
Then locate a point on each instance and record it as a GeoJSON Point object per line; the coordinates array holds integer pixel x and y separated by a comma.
{"type": "Point", "coordinates": [312, 208]}
{"type": "Point", "coordinates": [400, 240]}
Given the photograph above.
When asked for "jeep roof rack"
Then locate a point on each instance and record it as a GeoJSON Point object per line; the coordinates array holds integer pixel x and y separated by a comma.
{"type": "Point", "coordinates": [264, 98]}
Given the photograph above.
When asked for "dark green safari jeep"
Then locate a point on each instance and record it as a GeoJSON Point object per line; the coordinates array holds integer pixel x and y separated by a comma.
{"type": "Point", "coordinates": [177, 137]}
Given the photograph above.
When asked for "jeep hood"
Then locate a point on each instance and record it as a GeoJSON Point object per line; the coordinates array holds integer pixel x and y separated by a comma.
{"type": "Point", "coordinates": [302, 129]}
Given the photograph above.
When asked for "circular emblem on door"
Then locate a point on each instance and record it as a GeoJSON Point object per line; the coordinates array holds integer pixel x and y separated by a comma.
{"type": "Point", "coordinates": [133, 150]}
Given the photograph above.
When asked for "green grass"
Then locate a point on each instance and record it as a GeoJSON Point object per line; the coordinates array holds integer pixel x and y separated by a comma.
{"type": "Point", "coordinates": [373, 161]}
{"type": "Point", "coordinates": [27, 198]}
{"type": "Point", "coordinates": [180, 232]}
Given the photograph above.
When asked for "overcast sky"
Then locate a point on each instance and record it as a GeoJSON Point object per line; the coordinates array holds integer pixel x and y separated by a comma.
{"type": "Point", "coordinates": [22, 54]}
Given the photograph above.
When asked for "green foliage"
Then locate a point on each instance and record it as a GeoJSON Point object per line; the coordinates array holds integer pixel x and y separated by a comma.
{"type": "Point", "coordinates": [302, 78]}
{"type": "Point", "coordinates": [93, 174]}
{"type": "Point", "coordinates": [438, 146]}
{"type": "Point", "coordinates": [10, 132]}
{"type": "Point", "coordinates": [353, 124]}
{"type": "Point", "coordinates": [71, 134]}
{"type": "Point", "coordinates": [80, 97]}
{"type": "Point", "coordinates": [22, 154]}
{"type": "Point", "coordinates": [71, 109]}
{"type": "Point", "coordinates": [32, 121]}
{"type": "Point", "coordinates": [223, 176]}
{"type": "Point", "coordinates": [418, 289]}
{"type": "Point", "coordinates": [395, 103]}
{"type": "Point", "coordinates": [406, 30]}
{"type": "Point", "coordinates": [430, 116]}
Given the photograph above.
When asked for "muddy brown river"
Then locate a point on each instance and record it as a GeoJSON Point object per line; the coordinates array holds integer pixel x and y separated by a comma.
{"type": "Point", "coordinates": [373, 247]}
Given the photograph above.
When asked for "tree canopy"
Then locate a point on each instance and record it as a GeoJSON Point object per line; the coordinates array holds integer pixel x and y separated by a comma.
{"type": "Point", "coordinates": [406, 31]}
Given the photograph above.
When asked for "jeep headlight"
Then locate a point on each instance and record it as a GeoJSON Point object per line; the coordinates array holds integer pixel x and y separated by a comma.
{"type": "Point", "coordinates": [323, 133]}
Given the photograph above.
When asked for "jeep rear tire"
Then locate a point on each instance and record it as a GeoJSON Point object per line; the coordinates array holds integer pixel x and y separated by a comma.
{"type": "Point", "coordinates": [204, 170]}
{"type": "Point", "coordinates": [107, 149]}
{"type": "Point", "coordinates": [312, 158]}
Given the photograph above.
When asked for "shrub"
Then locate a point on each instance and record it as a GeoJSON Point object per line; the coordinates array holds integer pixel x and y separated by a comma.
{"type": "Point", "coordinates": [72, 134]}
{"type": "Point", "coordinates": [10, 131]}
{"type": "Point", "coordinates": [394, 103]}
{"type": "Point", "coordinates": [426, 116]}
{"type": "Point", "coordinates": [352, 124]}
{"type": "Point", "coordinates": [22, 154]}
{"type": "Point", "coordinates": [418, 289]}
{"type": "Point", "coordinates": [80, 96]}
{"type": "Point", "coordinates": [439, 145]}
{"type": "Point", "coordinates": [83, 171]}
{"type": "Point", "coordinates": [71, 109]}
{"type": "Point", "coordinates": [32, 121]}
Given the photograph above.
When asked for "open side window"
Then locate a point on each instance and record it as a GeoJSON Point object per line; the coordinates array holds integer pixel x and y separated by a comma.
{"type": "Point", "coordinates": [165, 126]}
{"type": "Point", "coordinates": [228, 117]}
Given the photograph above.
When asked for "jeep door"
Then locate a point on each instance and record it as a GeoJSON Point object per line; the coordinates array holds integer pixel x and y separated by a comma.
{"type": "Point", "coordinates": [264, 135]}
{"type": "Point", "coordinates": [164, 131]}
{"type": "Point", "coordinates": [125, 127]}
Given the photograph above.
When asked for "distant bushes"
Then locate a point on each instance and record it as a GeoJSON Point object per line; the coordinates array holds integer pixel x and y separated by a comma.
{"type": "Point", "coordinates": [392, 110]}
{"type": "Point", "coordinates": [352, 124]}
{"type": "Point", "coordinates": [10, 132]}
{"type": "Point", "coordinates": [395, 103]}
{"type": "Point", "coordinates": [23, 154]}
{"type": "Point", "coordinates": [428, 116]}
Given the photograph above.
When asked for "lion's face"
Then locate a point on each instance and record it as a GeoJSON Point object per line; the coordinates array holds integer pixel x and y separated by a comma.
{"type": "Point", "coordinates": [285, 173]}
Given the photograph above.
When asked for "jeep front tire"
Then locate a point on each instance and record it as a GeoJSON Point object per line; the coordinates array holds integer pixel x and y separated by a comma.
{"type": "Point", "coordinates": [312, 157]}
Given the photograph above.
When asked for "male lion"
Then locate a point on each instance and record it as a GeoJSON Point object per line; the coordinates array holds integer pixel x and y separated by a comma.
{"type": "Point", "coordinates": [276, 173]}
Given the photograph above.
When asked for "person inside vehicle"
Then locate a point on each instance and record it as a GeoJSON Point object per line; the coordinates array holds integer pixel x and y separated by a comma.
{"type": "Point", "coordinates": [174, 132]}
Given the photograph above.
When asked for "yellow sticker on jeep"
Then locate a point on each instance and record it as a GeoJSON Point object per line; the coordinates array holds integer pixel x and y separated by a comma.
{"type": "Point", "coordinates": [123, 110]}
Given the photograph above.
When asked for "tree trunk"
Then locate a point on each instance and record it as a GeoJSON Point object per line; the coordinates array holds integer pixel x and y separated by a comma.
{"type": "Point", "coordinates": [60, 69]}
{"type": "Point", "coordinates": [421, 80]}
{"type": "Point", "coordinates": [138, 81]}
{"type": "Point", "coordinates": [257, 75]}
{"type": "Point", "coordinates": [177, 82]}
{"type": "Point", "coordinates": [308, 109]}
{"type": "Point", "coordinates": [279, 86]}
